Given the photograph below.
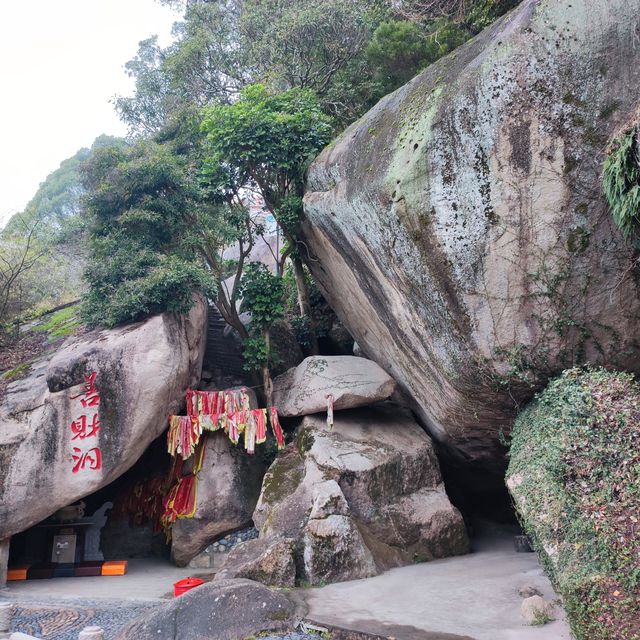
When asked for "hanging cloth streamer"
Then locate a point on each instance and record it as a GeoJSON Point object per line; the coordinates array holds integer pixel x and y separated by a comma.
{"type": "Point", "coordinates": [183, 435]}
{"type": "Point", "coordinates": [260, 416]}
{"type": "Point", "coordinates": [181, 499]}
{"type": "Point", "coordinates": [250, 432]}
{"type": "Point", "coordinates": [217, 402]}
{"type": "Point", "coordinates": [210, 411]}
{"type": "Point", "coordinates": [330, 412]}
{"type": "Point", "coordinates": [229, 410]}
{"type": "Point", "coordinates": [275, 426]}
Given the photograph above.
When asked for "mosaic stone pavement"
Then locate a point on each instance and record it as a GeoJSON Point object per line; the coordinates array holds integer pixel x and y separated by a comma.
{"type": "Point", "coordinates": [64, 620]}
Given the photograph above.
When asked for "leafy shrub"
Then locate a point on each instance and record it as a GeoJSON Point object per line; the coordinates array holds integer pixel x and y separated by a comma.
{"type": "Point", "coordinates": [262, 295]}
{"type": "Point", "coordinates": [399, 49]}
{"type": "Point", "coordinates": [575, 477]}
{"type": "Point", "coordinates": [621, 183]}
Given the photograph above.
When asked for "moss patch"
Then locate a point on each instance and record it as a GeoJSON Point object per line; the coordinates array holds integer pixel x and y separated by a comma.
{"type": "Point", "coordinates": [304, 440]}
{"type": "Point", "coordinates": [62, 323]}
{"type": "Point", "coordinates": [17, 372]}
{"type": "Point", "coordinates": [283, 477]}
{"type": "Point", "coordinates": [575, 477]}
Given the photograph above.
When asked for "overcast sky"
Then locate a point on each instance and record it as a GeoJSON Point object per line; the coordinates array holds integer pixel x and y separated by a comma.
{"type": "Point", "coordinates": [60, 63]}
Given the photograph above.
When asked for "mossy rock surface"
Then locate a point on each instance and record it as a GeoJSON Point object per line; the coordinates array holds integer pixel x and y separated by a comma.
{"type": "Point", "coordinates": [575, 479]}
{"type": "Point", "coordinates": [358, 499]}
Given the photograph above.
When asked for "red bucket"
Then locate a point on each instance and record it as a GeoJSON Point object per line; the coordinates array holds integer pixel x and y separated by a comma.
{"type": "Point", "coordinates": [182, 586]}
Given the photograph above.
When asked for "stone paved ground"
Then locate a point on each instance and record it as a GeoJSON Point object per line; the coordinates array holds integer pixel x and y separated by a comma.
{"type": "Point", "coordinates": [64, 619]}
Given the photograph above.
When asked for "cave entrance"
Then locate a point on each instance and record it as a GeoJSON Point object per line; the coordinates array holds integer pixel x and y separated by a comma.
{"type": "Point", "coordinates": [479, 493]}
{"type": "Point", "coordinates": [115, 524]}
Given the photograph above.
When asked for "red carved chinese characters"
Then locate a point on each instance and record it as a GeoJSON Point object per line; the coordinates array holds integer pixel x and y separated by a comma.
{"type": "Point", "coordinates": [90, 397]}
{"type": "Point", "coordinates": [82, 429]}
{"type": "Point", "coordinates": [87, 426]}
{"type": "Point", "coordinates": [91, 459]}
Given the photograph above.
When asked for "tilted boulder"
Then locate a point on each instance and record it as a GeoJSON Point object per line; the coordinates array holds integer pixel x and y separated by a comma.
{"type": "Point", "coordinates": [353, 382]}
{"type": "Point", "coordinates": [359, 499]}
{"type": "Point", "coordinates": [50, 456]}
{"type": "Point", "coordinates": [459, 230]}
{"type": "Point", "coordinates": [228, 489]}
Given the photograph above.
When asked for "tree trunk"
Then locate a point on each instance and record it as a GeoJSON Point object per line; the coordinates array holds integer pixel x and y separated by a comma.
{"type": "Point", "coordinates": [4, 563]}
{"type": "Point", "coordinates": [230, 313]}
{"type": "Point", "coordinates": [304, 302]}
{"type": "Point", "coordinates": [266, 373]}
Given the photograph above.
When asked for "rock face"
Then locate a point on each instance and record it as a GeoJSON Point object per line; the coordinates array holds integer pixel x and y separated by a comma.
{"type": "Point", "coordinates": [459, 230]}
{"type": "Point", "coordinates": [536, 610]}
{"type": "Point", "coordinates": [228, 489]}
{"type": "Point", "coordinates": [263, 560]}
{"type": "Point", "coordinates": [360, 499]}
{"type": "Point", "coordinates": [353, 382]}
{"type": "Point", "coordinates": [49, 455]}
{"type": "Point", "coordinates": [224, 610]}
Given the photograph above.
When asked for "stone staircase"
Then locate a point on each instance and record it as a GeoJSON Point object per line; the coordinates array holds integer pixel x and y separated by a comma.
{"type": "Point", "coordinates": [223, 361]}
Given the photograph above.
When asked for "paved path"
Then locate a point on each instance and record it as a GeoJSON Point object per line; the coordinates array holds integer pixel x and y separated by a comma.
{"type": "Point", "coordinates": [474, 596]}
{"type": "Point", "coordinates": [145, 579]}
{"type": "Point", "coordinates": [468, 597]}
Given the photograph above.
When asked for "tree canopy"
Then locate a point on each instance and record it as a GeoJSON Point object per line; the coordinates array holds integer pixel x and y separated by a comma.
{"type": "Point", "coordinates": [140, 261]}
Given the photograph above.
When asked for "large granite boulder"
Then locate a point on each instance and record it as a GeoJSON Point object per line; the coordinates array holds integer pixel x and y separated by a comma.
{"type": "Point", "coordinates": [360, 499]}
{"type": "Point", "coordinates": [459, 229]}
{"type": "Point", "coordinates": [224, 610]}
{"type": "Point", "coordinates": [228, 488]}
{"type": "Point", "coordinates": [353, 382]}
{"type": "Point", "coordinates": [67, 432]}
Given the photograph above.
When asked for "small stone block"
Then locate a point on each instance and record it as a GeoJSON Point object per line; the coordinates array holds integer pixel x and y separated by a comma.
{"type": "Point", "coordinates": [91, 633]}
{"type": "Point", "coordinates": [114, 568]}
{"type": "Point", "coordinates": [18, 573]}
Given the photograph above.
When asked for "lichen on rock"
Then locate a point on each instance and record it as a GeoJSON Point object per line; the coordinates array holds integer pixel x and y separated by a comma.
{"type": "Point", "coordinates": [359, 499]}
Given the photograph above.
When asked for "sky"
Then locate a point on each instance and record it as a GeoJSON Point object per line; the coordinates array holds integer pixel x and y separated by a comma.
{"type": "Point", "coordinates": [60, 63]}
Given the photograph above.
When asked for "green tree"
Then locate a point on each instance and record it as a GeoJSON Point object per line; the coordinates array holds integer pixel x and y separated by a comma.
{"type": "Point", "coordinates": [140, 262]}
{"type": "Point", "coordinates": [226, 45]}
{"type": "Point", "coordinates": [208, 61]}
{"type": "Point", "coordinates": [472, 15]}
{"type": "Point", "coordinates": [397, 51]}
{"type": "Point", "coordinates": [263, 296]}
{"type": "Point", "coordinates": [306, 43]}
{"type": "Point", "coordinates": [267, 140]}
{"type": "Point", "coordinates": [147, 110]}
{"type": "Point", "coordinates": [205, 63]}
{"type": "Point", "coordinates": [19, 253]}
